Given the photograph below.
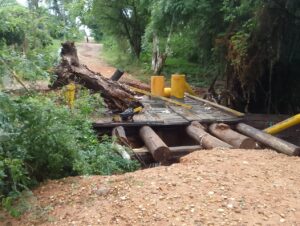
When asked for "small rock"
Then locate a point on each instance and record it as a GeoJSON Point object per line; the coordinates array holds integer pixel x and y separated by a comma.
{"type": "Point", "coordinates": [123, 198]}
{"type": "Point", "coordinates": [230, 206]}
{"type": "Point", "coordinates": [282, 220]}
{"type": "Point", "coordinates": [102, 191]}
{"type": "Point", "coordinates": [220, 210]}
{"type": "Point", "coordinates": [282, 215]}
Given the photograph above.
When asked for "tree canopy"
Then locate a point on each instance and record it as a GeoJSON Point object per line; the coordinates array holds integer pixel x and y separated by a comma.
{"type": "Point", "coordinates": [240, 41]}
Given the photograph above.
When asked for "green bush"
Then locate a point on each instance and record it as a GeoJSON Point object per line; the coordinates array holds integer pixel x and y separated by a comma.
{"type": "Point", "coordinates": [43, 140]}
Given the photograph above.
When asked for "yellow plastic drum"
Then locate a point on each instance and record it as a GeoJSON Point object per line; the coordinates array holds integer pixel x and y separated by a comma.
{"type": "Point", "coordinates": [167, 92]}
{"type": "Point", "coordinates": [178, 86]}
{"type": "Point", "coordinates": [157, 85]}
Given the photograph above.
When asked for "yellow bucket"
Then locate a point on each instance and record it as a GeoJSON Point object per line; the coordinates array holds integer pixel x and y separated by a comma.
{"type": "Point", "coordinates": [167, 92]}
{"type": "Point", "coordinates": [178, 86]}
{"type": "Point", "coordinates": [157, 85]}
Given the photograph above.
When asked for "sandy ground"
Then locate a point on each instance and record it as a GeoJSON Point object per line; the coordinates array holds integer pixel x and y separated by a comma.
{"type": "Point", "coordinates": [90, 54]}
{"type": "Point", "coordinates": [218, 187]}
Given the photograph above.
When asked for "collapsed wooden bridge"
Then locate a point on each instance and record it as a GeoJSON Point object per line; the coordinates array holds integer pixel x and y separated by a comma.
{"type": "Point", "coordinates": [164, 132]}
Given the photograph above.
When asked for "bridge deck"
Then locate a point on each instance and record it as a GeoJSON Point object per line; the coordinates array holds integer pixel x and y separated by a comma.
{"type": "Point", "coordinates": [160, 113]}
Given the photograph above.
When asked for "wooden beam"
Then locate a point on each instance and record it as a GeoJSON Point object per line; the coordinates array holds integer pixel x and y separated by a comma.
{"type": "Point", "coordinates": [221, 107]}
{"type": "Point", "coordinates": [159, 150]}
{"type": "Point", "coordinates": [269, 140]}
{"type": "Point", "coordinates": [237, 140]}
{"type": "Point", "coordinates": [175, 153]}
{"type": "Point", "coordinates": [162, 98]}
{"type": "Point", "coordinates": [197, 132]}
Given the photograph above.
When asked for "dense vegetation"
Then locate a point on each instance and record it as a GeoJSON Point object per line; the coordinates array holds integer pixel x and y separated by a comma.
{"type": "Point", "coordinates": [252, 45]}
{"type": "Point", "coordinates": [40, 137]}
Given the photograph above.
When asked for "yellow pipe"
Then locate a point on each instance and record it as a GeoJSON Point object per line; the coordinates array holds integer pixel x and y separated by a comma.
{"type": "Point", "coordinates": [279, 127]}
{"type": "Point", "coordinates": [189, 89]}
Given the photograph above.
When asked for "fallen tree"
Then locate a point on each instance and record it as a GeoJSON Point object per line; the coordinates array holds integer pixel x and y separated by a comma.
{"type": "Point", "coordinates": [117, 96]}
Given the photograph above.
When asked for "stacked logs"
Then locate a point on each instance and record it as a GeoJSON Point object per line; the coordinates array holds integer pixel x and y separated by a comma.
{"type": "Point", "coordinates": [217, 135]}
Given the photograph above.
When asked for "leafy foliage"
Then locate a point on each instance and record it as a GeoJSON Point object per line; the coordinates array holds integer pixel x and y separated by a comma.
{"type": "Point", "coordinates": [123, 20]}
{"type": "Point", "coordinates": [42, 140]}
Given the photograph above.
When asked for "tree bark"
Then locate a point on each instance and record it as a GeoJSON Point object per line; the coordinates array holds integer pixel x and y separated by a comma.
{"type": "Point", "coordinates": [196, 131]}
{"type": "Point", "coordinates": [117, 96]}
{"type": "Point", "coordinates": [158, 58]}
{"type": "Point", "coordinates": [159, 150]}
{"type": "Point", "coordinates": [268, 140]}
{"type": "Point", "coordinates": [237, 140]}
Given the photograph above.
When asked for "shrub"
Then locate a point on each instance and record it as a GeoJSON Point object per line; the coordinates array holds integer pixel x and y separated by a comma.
{"type": "Point", "coordinates": [42, 140]}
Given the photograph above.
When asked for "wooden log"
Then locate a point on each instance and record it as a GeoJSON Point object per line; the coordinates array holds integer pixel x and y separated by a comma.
{"type": "Point", "coordinates": [237, 140]}
{"type": "Point", "coordinates": [197, 132]}
{"type": "Point", "coordinates": [184, 150]}
{"type": "Point", "coordinates": [120, 134]}
{"type": "Point", "coordinates": [117, 75]}
{"type": "Point", "coordinates": [117, 96]}
{"type": "Point", "coordinates": [135, 84]}
{"type": "Point", "coordinates": [269, 140]}
{"type": "Point", "coordinates": [159, 150]}
{"type": "Point", "coordinates": [175, 153]}
{"type": "Point", "coordinates": [122, 151]}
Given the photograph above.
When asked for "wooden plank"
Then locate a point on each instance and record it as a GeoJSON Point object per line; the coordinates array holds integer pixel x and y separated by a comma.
{"type": "Point", "coordinates": [223, 108]}
{"type": "Point", "coordinates": [162, 98]}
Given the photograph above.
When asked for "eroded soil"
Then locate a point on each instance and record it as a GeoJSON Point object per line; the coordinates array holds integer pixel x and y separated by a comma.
{"type": "Point", "coordinates": [211, 187]}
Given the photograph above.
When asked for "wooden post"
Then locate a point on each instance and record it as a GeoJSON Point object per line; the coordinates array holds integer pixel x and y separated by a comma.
{"type": "Point", "coordinates": [196, 131]}
{"type": "Point", "coordinates": [269, 140]}
{"type": "Point", "coordinates": [117, 75]}
{"type": "Point", "coordinates": [237, 140]}
{"type": "Point", "coordinates": [159, 150]}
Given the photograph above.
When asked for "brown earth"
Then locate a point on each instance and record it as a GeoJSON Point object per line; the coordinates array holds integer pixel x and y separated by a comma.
{"type": "Point", "coordinates": [217, 187]}
{"type": "Point", "coordinates": [90, 54]}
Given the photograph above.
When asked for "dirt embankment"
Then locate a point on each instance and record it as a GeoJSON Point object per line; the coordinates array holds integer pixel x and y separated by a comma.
{"type": "Point", "coordinates": [218, 187]}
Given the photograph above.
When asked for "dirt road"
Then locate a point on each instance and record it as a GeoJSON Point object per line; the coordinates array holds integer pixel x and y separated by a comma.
{"type": "Point", "coordinates": [217, 187]}
{"type": "Point", "coordinates": [90, 54]}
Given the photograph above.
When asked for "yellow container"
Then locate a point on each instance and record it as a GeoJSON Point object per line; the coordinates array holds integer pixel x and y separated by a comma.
{"type": "Point", "coordinates": [167, 92]}
{"type": "Point", "coordinates": [157, 85]}
{"type": "Point", "coordinates": [70, 94]}
{"type": "Point", "coordinates": [178, 86]}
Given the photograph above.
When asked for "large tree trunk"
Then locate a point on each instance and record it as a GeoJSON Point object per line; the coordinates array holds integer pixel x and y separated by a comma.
{"type": "Point", "coordinates": [158, 58]}
{"type": "Point", "coordinates": [117, 96]}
